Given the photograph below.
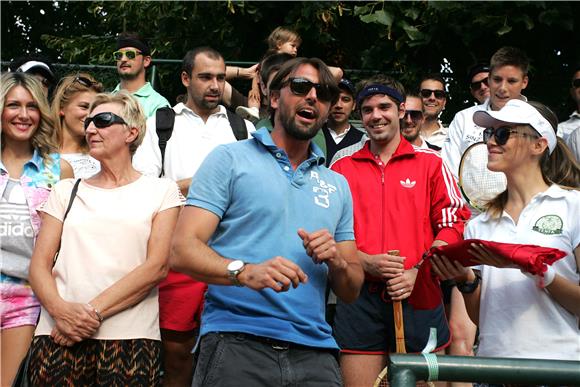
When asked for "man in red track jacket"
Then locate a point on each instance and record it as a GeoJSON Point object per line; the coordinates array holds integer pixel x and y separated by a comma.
{"type": "Point", "coordinates": [405, 199]}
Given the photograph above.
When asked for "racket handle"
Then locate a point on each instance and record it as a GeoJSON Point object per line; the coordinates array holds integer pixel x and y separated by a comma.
{"type": "Point", "coordinates": [398, 317]}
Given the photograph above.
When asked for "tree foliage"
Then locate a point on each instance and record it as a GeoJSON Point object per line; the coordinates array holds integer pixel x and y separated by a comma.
{"type": "Point", "coordinates": [406, 39]}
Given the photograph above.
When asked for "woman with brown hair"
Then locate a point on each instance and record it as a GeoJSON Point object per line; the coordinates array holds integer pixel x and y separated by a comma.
{"type": "Point", "coordinates": [520, 315]}
{"type": "Point", "coordinates": [70, 106]}
{"type": "Point", "coordinates": [29, 168]}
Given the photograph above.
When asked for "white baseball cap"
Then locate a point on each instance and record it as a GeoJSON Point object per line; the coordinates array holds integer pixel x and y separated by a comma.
{"type": "Point", "coordinates": [516, 111]}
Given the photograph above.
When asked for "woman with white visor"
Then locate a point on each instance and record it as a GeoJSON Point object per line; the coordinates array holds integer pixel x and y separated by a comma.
{"type": "Point", "coordinates": [520, 315]}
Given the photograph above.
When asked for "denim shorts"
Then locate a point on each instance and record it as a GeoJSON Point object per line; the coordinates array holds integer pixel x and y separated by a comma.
{"type": "Point", "coordinates": [239, 359]}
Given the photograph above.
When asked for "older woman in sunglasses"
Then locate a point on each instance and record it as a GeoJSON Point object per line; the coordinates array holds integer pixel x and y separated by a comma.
{"type": "Point", "coordinates": [29, 167]}
{"type": "Point", "coordinates": [99, 320]}
{"type": "Point", "coordinates": [521, 315]}
{"type": "Point", "coordinates": [70, 106]}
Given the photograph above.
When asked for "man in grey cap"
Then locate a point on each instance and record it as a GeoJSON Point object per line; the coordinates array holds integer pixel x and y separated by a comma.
{"type": "Point", "coordinates": [133, 56]}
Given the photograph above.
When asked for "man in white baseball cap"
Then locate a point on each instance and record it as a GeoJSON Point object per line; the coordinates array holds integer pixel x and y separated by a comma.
{"type": "Point", "coordinates": [39, 67]}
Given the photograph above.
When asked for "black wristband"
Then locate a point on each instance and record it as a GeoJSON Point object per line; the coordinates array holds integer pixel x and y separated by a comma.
{"type": "Point", "coordinates": [469, 287]}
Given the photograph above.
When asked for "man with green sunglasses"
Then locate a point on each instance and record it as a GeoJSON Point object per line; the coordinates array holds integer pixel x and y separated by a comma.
{"type": "Point", "coordinates": [132, 57]}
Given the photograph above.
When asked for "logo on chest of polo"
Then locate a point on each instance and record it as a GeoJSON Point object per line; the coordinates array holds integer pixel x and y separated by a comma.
{"type": "Point", "coordinates": [549, 225]}
{"type": "Point", "coordinates": [322, 190]}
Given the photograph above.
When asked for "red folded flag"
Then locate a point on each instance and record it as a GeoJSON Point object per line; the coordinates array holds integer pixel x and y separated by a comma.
{"type": "Point", "coordinates": [531, 258]}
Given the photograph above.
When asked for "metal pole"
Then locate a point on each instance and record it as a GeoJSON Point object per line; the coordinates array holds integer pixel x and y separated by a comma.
{"type": "Point", "coordinates": [491, 370]}
{"type": "Point", "coordinates": [402, 377]}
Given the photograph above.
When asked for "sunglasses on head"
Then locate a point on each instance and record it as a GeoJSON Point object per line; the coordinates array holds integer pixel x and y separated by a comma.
{"type": "Point", "coordinates": [104, 120]}
{"type": "Point", "coordinates": [477, 85]}
{"type": "Point", "coordinates": [426, 93]}
{"type": "Point", "coordinates": [502, 134]}
{"type": "Point", "coordinates": [130, 54]}
{"type": "Point", "coordinates": [576, 83]}
{"type": "Point", "coordinates": [416, 115]}
{"type": "Point", "coordinates": [302, 86]}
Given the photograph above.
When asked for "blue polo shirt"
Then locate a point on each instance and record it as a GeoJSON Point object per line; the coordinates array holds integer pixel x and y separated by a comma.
{"type": "Point", "coordinates": [262, 202]}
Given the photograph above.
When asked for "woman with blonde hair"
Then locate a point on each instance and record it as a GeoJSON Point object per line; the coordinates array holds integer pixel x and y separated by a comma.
{"type": "Point", "coordinates": [29, 168]}
{"type": "Point", "coordinates": [520, 315]}
{"type": "Point", "coordinates": [99, 322]}
{"type": "Point", "coordinates": [70, 106]}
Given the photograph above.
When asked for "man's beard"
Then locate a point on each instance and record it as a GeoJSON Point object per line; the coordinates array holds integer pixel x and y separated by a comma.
{"type": "Point", "coordinates": [128, 76]}
{"type": "Point", "coordinates": [296, 132]}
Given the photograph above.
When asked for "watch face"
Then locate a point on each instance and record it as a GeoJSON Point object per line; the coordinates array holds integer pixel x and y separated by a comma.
{"type": "Point", "coordinates": [235, 265]}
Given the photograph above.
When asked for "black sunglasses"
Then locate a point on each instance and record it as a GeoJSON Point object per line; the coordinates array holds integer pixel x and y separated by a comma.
{"type": "Point", "coordinates": [477, 85]}
{"type": "Point", "coordinates": [302, 86]}
{"type": "Point", "coordinates": [130, 54]}
{"type": "Point", "coordinates": [103, 120]}
{"type": "Point", "coordinates": [576, 83]}
{"type": "Point", "coordinates": [416, 115]}
{"type": "Point", "coordinates": [502, 134]}
{"type": "Point", "coordinates": [426, 93]}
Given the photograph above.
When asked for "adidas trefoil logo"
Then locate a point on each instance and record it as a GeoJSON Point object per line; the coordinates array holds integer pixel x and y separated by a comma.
{"type": "Point", "coordinates": [408, 183]}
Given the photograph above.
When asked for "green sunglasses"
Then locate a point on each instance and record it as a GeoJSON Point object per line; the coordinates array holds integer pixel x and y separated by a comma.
{"type": "Point", "coordinates": [130, 54]}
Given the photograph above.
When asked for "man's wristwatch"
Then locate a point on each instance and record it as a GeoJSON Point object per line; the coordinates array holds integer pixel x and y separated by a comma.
{"type": "Point", "coordinates": [235, 268]}
{"type": "Point", "coordinates": [469, 287]}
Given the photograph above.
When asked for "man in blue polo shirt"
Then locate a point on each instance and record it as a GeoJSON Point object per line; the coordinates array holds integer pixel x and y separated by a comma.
{"type": "Point", "coordinates": [133, 56]}
{"type": "Point", "coordinates": [265, 217]}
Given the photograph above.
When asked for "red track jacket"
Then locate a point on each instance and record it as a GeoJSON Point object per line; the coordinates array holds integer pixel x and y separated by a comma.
{"type": "Point", "coordinates": [405, 205]}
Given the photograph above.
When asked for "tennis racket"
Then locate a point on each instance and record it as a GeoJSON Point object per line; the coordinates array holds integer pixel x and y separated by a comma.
{"type": "Point", "coordinates": [478, 184]}
{"type": "Point", "coordinates": [399, 335]}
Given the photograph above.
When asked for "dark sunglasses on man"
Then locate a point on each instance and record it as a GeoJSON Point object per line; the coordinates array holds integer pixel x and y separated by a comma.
{"type": "Point", "coordinates": [477, 85]}
{"type": "Point", "coordinates": [576, 83]}
{"type": "Point", "coordinates": [104, 120]}
{"type": "Point", "coordinates": [502, 134]}
{"type": "Point", "coordinates": [302, 86]}
{"type": "Point", "coordinates": [426, 93]}
{"type": "Point", "coordinates": [416, 115]}
{"type": "Point", "coordinates": [130, 54]}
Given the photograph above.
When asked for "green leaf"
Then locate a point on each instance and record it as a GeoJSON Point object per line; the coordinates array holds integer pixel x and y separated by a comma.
{"type": "Point", "coordinates": [412, 13]}
{"type": "Point", "coordinates": [360, 10]}
{"type": "Point", "coordinates": [383, 17]}
{"type": "Point", "coordinates": [413, 33]}
{"type": "Point", "coordinates": [504, 30]}
{"type": "Point", "coordinates": [370, 18]}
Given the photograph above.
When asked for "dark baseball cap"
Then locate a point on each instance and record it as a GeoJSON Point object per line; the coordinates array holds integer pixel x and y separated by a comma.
{"type": "Point", "coordinates": [476, 69]}
{"type": "Point", "coordinates": [347, 85]}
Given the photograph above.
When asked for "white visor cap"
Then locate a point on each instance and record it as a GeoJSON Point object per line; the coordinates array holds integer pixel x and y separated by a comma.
{"type": "Point", "coordinates": [516, 111]}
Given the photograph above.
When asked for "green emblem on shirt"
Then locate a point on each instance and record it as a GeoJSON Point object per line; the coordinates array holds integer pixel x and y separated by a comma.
{"type": "Point", "coordinates": [549, 225]}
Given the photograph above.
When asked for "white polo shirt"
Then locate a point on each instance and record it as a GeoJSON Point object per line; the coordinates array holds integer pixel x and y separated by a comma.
{"type": "Point", "coordinates": [567, 127]}
{"type": "Point", "coordinates": [191, 141]}
{"type": "Point", "coordinates": [461, 134]}
{"type": "Point", "coordinates": [438, 136]}
{"type": "Point", "coordinates": [516, 318]}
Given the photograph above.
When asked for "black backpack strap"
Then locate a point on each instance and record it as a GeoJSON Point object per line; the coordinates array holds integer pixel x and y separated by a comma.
{"type": "Point", "coordinates": [73, 195]}
{"type": "Point", "coordinates": [238, 125]}
{"type": "Point", "coordinates": [164, 122]}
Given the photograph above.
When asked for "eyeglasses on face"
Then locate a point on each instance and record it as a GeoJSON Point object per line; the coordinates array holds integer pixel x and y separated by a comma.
{"type": "Point", "coordinates": [502, 134]}
{"type": "Point", "coordinates": [416, 115]}
{"type": "Point", "coordinates": [302, 86]}
{"type": "Point", "coordinates": [104, 120]}
{"type": "Point", "coordinates": [477, 85]}
{"type": "Point", "coordinates": [426, 93]}
{"type": "Point", "coordinates": [576, 83]}
{"type": "Point", "coordinates": [130, 54]}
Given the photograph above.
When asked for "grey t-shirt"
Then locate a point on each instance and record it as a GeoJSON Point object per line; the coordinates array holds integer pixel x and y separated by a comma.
{"type": "Point", "coordinates": [16, 232]}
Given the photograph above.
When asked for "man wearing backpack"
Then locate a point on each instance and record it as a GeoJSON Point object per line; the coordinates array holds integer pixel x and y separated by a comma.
{"type": "Point", "coordinates": [176, 142]}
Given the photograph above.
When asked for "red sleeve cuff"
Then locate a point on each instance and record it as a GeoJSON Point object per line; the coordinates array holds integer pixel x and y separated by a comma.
{"type": "Point", "coordinates": [449, 235]}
